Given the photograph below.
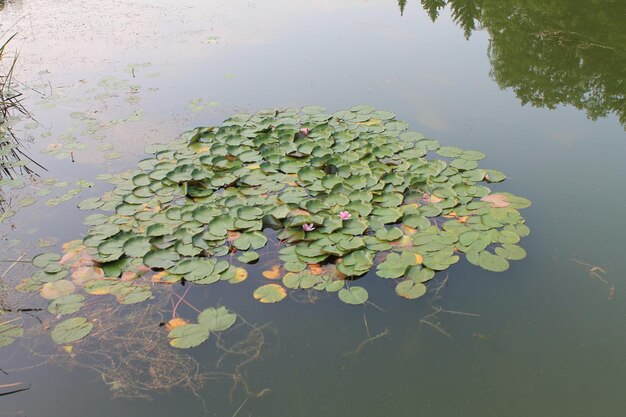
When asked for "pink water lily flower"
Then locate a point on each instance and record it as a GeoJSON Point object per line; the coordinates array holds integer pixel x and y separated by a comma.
{"type": "Point", "coordinates": [305, 131]}
{"type": "Point", "coordinates": [308, 227]}
{"type": "Point", "coordinates": [344, 215]}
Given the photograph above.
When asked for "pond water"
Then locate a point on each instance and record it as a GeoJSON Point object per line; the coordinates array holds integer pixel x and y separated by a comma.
{"type": "Point", "coordinates": [537, 86]}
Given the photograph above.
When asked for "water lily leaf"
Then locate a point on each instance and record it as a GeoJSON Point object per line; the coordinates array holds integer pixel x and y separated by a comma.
{"type": "Point", "coordinates": [137, 247]}
{"type": "Point", "coordinates": [391, 234]}
{"type": "Point", "coordinates": [496, 200]}
{"type": "Point", "coordinates": [134, 294]}
{"type": "Point", "coordinates": [68, 304]}
{"type": "Point", "coordinates": [9, 331]}
{"type": "Point", "coordinates": [240, 276]}
{"type": "Point", "coordinates": [90, 203]}
{"type": "Point", "coordinates": [418, 274]}
{"type": "Point", "coordinates": [450, 151]}
{"type": "Point", "coordinates": [410, 289]}
{"type": "Point", "coordinates": [511, 252]}
{"type": "Point", "coordinates": [250, 213]}
{"type": "Point", "coordinates": [270, 293]}
{"type": "Point", "coordinates": [56, 289]}
{"type": "Point", "coordinates": [463, 164]}
{"type": "Point", "coordinates": [219, 225]}
{"type": "Point", "coordinates": [160, 258]}
{"type": "Point", "coordinates": [356, 263]}
{"type": "Point", "coordinates": [296, 266]}
{"type": "Point", "coordinates": [492, 175]}
{"type": "Point", "coordinates": [43, 259]}
{"type": "Point", "coordinates": [188, 335]}
{"type": "Point", "coordinates": [248, 257]}
{"type": "Point", "coordinates": [71, 330]}
{"type": "Point", "coordinates": [159, 230]}
{"type": "Point", "coordinates": [395, 265]}
{"type": "Point", "coordinates": [472, 155]}
{"type": "Point", "coordinates": [491, 262]}
{"type": "Point", "coordinates": [101, 286]}
{"type": "Point", "coordinates": [217, 320]}
{"type": "Point", "coordinates": [273, 273]}
{"type": "Point", "coordinates": [353, 295]}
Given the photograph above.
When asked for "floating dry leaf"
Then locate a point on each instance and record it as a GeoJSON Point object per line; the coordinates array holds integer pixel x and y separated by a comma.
{"type": "Point", "coordinates": [273, 273]}
{"type": "Point", "coordinates": [496, 200]}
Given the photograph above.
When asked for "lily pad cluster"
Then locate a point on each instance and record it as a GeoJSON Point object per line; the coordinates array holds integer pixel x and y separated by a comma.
{"type": "Point", "coordinates": [347, 191]}
{"type": "Point", "coordinates": [335, 194]}
{"type": "Point", "coordinates": [68, 280]}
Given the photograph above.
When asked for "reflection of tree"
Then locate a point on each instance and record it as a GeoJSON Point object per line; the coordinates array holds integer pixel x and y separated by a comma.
{"type": "Point", "coordinates": [401, 5]}
{"type": "Point", "coordinates": [552, 52]}
{"type": "Point", "coordinates": [465, 13]}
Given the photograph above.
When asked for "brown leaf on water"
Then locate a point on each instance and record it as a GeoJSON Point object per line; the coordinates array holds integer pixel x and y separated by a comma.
{"type": "Point", "coordinates": [142, 269]}
{"type": "Point", "coordinates": [496, 200]}
{"type": "Point", "coordinates": [163, 277]}
{"type": "Point", "coordinates": [128, 276]}
{"type": "Point", "coordinates": [409, 231]}
{"type": "Point", "coordinates": [68, 258]}
{"type": "Point", "coordinates": [86, 273]}
{"type": "Point", "coordinates": [316, 269]}
{"type": "Point", "coordinates": [232, 235]}
{"type": "Point", "coordinates": [298, 212]}
{"type": "Point", "coordinates": [273, 273]}
{"type": "Point", "coordinates": [404, 242]}
{"type": "Point", "coordinates": [431, 199]}
{"type": "Point", "coordinates": [336, 271]}
{"type": "Point", "coordinates": [174, 323]}
{"type": "Point", "coordinates": [73, 246]}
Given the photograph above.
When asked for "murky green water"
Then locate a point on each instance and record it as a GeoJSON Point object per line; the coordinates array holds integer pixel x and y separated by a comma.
{"type": "Point", "coordinates": [516, 80]}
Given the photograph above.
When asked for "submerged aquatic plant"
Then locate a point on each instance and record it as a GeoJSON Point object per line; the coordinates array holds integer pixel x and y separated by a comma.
{"type": "Point", "coordinates": [355, 186]}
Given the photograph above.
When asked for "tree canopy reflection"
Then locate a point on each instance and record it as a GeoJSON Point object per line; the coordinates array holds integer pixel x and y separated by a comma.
{"type": "Point", "coordinates": [552, 52]}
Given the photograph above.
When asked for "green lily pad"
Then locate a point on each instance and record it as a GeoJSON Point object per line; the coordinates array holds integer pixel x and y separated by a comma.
{"type": "Point", "coordinates": [71, 330]}
{"type": "Point", "coordinates": [353, 295]}
{"type": "Point", "coordinates": [188, 335]}
{"type": "Point", "coordinates": [160, 258]}
{"type": "Point", "coordinates": [410, 289]}
{"type": "Point", "coordinates": [270, 293]}
{"type": "Point", "coordinates": [217, 320]}
{"type": "Point", "coordinates": [42, 260]}
{"type": "Point", "coordinates": [67, 304]}
{"type": "Point", "coordinates": [137, 247]}
{"type": "Point", "coordinates": [491, 262]}
{"type": "Point", "coordinates": [248, 257]}
{"type": "Point", "coordinates": [9, 331]}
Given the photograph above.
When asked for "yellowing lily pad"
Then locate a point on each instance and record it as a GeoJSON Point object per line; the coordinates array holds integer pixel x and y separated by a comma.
{"type": "Point", "coordinates": [270, 293]}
